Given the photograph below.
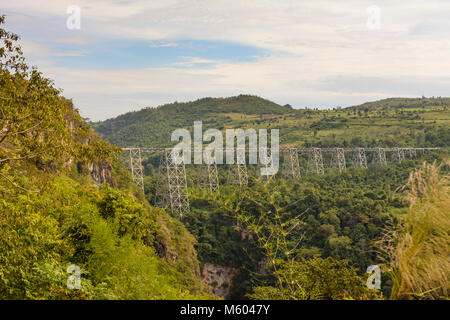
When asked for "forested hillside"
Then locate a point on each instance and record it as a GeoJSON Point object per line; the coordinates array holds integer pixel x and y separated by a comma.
{"type": "Point", "coordinates": [152, 126]}
{"type": "Point", "coordinates": [65, 199]}
{"type": "Point", "coordinates": [399, 122]}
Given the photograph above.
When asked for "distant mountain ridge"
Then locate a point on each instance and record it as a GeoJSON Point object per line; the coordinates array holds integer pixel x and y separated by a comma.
{"type": "Point", "coordinates": [383, 122]}
{"type": "Point", "coordinates": [398, 103]}
{"type": "Point", "coordinates": [154, 125]}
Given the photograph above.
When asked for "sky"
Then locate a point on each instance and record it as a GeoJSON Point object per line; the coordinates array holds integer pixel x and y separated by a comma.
{"type": "Point", "coordinates": [131, 54]}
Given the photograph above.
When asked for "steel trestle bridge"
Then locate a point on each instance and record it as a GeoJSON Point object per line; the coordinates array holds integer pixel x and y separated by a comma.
{"type": "Point", "coordinates": [172, 184]}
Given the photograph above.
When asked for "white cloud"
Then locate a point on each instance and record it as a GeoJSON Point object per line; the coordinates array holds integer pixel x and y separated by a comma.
{"type": "Point", "coordinates": [34, 49]}
{"type": "Point", "coordinates": [192, 61]}
{"type": "Point", "coordinates": [70, 54]}
{"type": "Point", "coordinates": [164, 45]}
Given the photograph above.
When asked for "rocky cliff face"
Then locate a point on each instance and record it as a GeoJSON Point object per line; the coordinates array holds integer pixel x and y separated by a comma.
{"type": "Point", "coordinates": [101, 172]}
{"type": "Point", "coordinates": [220, 278]}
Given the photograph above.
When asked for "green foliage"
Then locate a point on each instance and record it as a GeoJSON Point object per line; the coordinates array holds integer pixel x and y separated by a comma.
{"type": "Point", "coordinates": [104, 231]}
{"type": "Point", "coordinates": [217, 240]}
{"type": "Point", "coordinates": [36, 122]}
{"type": "Point", "coordinates": [416, 249]}
{"type": "Point", "coordinates": [315, 279]}
{"type": "Point", "coordinates": [257, 229]}
{"type": "Point", "coordinates": [288, 266]}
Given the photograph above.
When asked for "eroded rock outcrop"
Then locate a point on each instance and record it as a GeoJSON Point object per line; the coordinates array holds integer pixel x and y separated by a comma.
{"type": "Point", "coordinates": [220, 278]}
{"type": "Point", "coordinates": [101, 172]}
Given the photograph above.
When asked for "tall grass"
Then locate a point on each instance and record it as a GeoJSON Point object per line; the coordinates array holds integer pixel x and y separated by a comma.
{"type": "Point", "coordinates": [417, 248]}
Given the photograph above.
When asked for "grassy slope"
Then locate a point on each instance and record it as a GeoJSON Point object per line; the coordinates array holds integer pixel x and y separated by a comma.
{"type": "Point", "coordinates": [154, 126]}
{"type": "Point", "coordinates": [396, 121]}
{"type": "Point", "coordinates": [417, 249]}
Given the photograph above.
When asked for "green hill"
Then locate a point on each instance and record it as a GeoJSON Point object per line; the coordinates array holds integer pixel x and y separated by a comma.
{"type": "Point", "coordinates": [389, 122]}
{"type": "Point", "coordinates": [153, 126]}
{"type": "Point", "coordinates": [405, 103]}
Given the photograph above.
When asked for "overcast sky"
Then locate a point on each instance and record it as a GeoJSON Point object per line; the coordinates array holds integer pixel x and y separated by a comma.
{"type": "Point", "coordinates": [133, 54]}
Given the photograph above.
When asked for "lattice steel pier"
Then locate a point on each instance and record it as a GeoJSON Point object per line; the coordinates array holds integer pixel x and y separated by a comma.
{"type": "Point", "coordinates": [172, 184]}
